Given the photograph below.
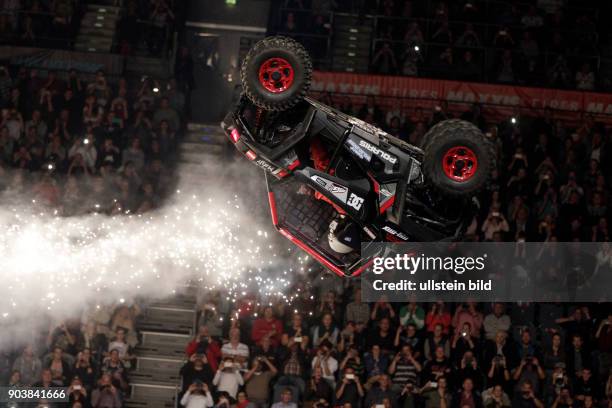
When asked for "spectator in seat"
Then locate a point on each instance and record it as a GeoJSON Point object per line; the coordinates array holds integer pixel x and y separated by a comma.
{"type": "Point", "coordinates": [197, 396]}
{"type": "Point", "coordinates": [135, 155]}
{"type": "Point", "coordinates": [257, 381]}
{"type": "Point", "coordinates": [267, 326]}
{"type": "Point", "coordinates": [438, 315]}
{"type": "Point", "coordinates": [324, 360]}
{"type": "Point", "coordinates": [436, 394]}
{"type": "Point", "coordinates": [495, 397]}
{"type": "Point", "coordinates": [85, 369]}
{"type": "Point", "coordinates": [435, 340]}
{"type": "Point", "coordinates": [376, 363]}
{"type": "Point", "coordinates": [318, 391]}
{"type": "Point", "coordinates": [106, 395]}
{"type": "Point", "coordinates": [293, 367]}
{"type": "Point", "coordinates": [469, 37]}
{"type": "Point", "coordinates": [381, 390]}
{"type": "Point", "coordinates": [45, 380]}
{"type": "Point", "coordinates": [526, 397]}
{"type": "Point", "coordinates": [286, 400]}
{"type": "Point", "coordinates": [467, 396]}
{"type": "Point", "coordinates": [59, 367]}
{"type": "Point", "coordinates": [167, 113]}
{"type": "Point", "coordinates": [559, 75]}
{"type": "Point", "coordinates": [357, 311]}
{"type": "Point", "coordinates": [404, 369]}
{"type": "Point", "coordinates": [585, 78]}
{"type": "Point", "coordinates": [436, 367]}
{"type": "Point", "coordinates": [469, 70]}
{"type": "Point", "coordinates": [203, 343]}
{"type": "Point", "coordinates": [384, 61]}
{"type": "Point", "coordinates": [349, 389]}
{"type": "Point", "coordinates": [235, 349]}
{"type": "Point", "coordinates": [228, 377]}
{"type": "Point", "coordinates": [28, 365]}
{"type": "Point", "coordinates": [496, 321]}
{"type": "Point", "coordinates": [325, 331]}
{"type": "Point", "coordinates": [296, 332]}
{"type": "Point", "coordinates": [412, 313]}
{"type": "Point", "coordinates": [196, 370]}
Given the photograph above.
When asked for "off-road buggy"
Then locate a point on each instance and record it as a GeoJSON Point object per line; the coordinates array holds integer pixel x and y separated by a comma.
{"type": "Point", "coordinates": [331, 175]}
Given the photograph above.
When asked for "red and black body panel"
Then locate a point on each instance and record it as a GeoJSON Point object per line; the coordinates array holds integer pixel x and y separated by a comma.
{"type": "Point", "coordinates": [324, 162]}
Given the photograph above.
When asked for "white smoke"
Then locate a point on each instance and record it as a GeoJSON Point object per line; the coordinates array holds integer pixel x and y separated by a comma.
{"type": "Point", "coordinates": [52, 267]}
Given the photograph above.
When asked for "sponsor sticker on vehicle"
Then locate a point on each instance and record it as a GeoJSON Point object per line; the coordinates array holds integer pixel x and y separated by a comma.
{"type": "Point", "coordinates": [339, 191]}
{"type": "Point", "coordinates": [355, 201]}
{"type": "Point", "coordinates": [378, 152]}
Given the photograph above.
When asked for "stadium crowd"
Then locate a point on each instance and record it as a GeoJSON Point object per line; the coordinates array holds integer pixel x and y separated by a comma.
{"type": "Point", "coordinates": [90, 356]}
{"type": "Point", "coordinates": [77, 144]}
{"type": "Point", "coordinates": [329, 349]}
{"type": "Point", "coordinates": [80, 146]}
{"type": "Point", "coordinates": [541, 43]}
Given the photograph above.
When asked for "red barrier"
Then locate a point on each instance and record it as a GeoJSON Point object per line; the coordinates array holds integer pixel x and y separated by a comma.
{"type": "Point", "coordinates": [497, 99]}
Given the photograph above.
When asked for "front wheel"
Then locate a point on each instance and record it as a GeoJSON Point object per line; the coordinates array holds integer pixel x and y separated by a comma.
{"type": "Point", "coordinates": [276, 73]}
{"type": "Point", "coordinates": [458, 158]}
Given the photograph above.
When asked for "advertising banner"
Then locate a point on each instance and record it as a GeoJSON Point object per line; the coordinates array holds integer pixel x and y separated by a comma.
{"type": "Point", "coordinates": [497, 99]}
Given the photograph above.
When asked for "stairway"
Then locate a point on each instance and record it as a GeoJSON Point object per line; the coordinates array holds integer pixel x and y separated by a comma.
{"type": "Point", "coordinates": [351, 43]}
{"type": "Point", "coordinates": [98, 27]}
{"type": "Point", "coordinates": [201, 153]}
{"type": "Point", "coordinates": [165, 327]}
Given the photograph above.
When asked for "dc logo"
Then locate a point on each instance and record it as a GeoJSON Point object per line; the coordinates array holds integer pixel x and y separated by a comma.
{"type": "Point", "coordinates": [355, 201]}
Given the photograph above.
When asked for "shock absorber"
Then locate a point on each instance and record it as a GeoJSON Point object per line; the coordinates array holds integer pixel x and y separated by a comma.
{"type": "Point", "coordinates": [259, 113]}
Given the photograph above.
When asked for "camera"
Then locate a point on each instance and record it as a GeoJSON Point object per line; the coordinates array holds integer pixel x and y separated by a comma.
{"type": "Point", "coordinates": [350, 376]}
{"type": "Point", "coordinates": [297, 339]}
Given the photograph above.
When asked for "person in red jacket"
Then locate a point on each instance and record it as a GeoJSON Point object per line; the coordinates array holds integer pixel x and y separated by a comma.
{"type": "Point", "coordinates": [203, 343]}
{"type": "Point", "coordinates": [267, 326]}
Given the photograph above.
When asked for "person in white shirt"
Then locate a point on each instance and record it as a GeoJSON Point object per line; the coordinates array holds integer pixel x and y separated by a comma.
{"type": "Point", "coordinates": [228, 377]}
{"type": "Point", "coordinates": [286, 400]}
{"type": "Point", "coordinates": [197, 396]}
{"type": "Point", "coordinates": [326, 362]}
{"type": "Point", "coordinates": [235, 349]}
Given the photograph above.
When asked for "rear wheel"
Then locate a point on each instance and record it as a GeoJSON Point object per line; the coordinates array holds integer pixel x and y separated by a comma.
{"type": "Point", "coordinates": [276, 73]}
{"type": "Point", "coordinates": [458, 158]}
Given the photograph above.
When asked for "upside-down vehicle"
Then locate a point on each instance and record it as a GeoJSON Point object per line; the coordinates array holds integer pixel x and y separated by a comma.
{"type": "Point", "coordinates": [336, 183]}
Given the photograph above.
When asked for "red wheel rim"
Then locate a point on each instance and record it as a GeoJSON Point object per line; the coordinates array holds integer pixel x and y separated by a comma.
{"type": "Point", "coordinates": [276, 75]}
{"type": "Point", "coordinates": [460, 163]}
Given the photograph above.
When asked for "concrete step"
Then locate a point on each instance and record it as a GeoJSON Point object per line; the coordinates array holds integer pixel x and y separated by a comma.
{"type": "Point", "coordinates": [148, 403]}
{"type": "Point", "coordinates": [165, 326]}
{"type": "Point", "coordinates": [97, 30]}
{"type": "Point", "coordinates": [186, 302]}
{"type": "Point", "coordinates": [170, 341]}
{"type": "Point", "coordinates": [104, 9]}
{"type": "Point", "coordinates": [159, 364]}
{"type": "Point", "coordinates": [99, 20]}
{"type": "Point", "coordinates": [151, 391]}
{"type": "Point", "coordinates": [155, 377]}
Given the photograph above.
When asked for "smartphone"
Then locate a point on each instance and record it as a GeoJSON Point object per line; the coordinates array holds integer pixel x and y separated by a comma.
{"type": "Point", "coordinates": [350, 376]}
{"type": "Point", "coordinates": [495, 213]}
{"type": "Point", "coordinates": [433, 384]}
{"type": "Point", "coordinates": [77, 387]}
{"type": "Point", "coordinates": [297, 339]}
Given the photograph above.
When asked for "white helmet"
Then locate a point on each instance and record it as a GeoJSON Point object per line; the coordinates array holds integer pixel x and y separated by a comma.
{"type": "Point", "coordinates": [344, 236]}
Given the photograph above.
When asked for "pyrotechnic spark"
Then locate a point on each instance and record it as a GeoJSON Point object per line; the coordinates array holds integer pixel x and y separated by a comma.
{"type": "Point", "coordinates": [48, 262]}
